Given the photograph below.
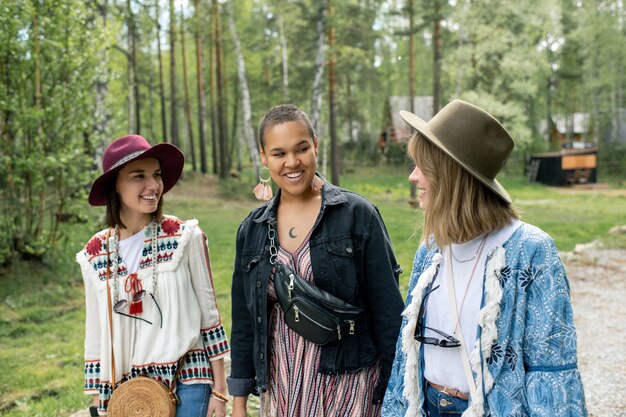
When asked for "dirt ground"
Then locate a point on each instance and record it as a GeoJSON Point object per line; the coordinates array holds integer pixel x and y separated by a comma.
{"type": "Point", "coordinates": [598, 290]}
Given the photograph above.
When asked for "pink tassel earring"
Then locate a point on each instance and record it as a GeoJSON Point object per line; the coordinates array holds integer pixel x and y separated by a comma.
{"type": "Point", "coordinates": [317, 184]}
{"type": "Point", "coordinates": [263, 190]}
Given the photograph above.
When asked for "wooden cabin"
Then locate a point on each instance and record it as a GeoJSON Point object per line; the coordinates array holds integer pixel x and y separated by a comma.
{"type": "Point", "coordinates": [394, 129]}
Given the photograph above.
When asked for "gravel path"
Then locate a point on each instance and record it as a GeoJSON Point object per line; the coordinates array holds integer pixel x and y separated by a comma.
{"type": "Point", "coordinates": [598, 289]}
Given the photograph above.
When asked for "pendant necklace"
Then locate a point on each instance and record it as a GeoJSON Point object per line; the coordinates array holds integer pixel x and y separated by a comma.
{"type": "Point", "coordinates": [133, 283]}
{"type": "Point", "coordinates": [462, 261]}
{"type": "Point", "coordinates": [477, 257]}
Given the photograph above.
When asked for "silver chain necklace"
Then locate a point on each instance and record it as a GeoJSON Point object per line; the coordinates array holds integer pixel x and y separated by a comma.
{"type": "Point", "coordinates": [116, 255]}
{"type": "Point", "coordinates": [462, 261]}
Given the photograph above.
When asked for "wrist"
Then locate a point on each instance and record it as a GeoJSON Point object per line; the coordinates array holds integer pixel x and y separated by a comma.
{"type": "Point", "coordinates": [220, 396]}
{"type": "Point", "coordinates": [223, 388]}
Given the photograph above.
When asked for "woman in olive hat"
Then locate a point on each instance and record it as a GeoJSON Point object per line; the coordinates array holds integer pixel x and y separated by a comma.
{"type": "Point", "coordinates": [148, 286]}
{"type": "Point", "coordinates": [488, 328]}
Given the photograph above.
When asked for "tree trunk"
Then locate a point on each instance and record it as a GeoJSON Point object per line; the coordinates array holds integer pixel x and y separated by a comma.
{"type": "Point", "coordinates": [620, 75]}
{"type": "Point", "coordinates": [102, 115]}
{"type": "Point", "coordinates": [201, 88]}
{"type": "Point", "coordinates": [235, 142]}
{"type": "Point", "coordinates": [350, 106]}
{"type": "Point", "coordinates": [332, 87]}
{"type": "Point", "coordinates": [214, 141]}
{"type": "Point", "coordinates": [173, 89]}
{"type": "Point", "coordinates": [412, 186]}
{"type": "Point", "coordinates": [221, 117]}
{"type": "Point", "coordinates": [436, 60]}
{"type": "Point", "coordinates": [30, 214]}
{"type": "Point", "coordinates": [151, 84]}
{"type": "Point", "coordinates": [135, 72]}
{"type": "Point", "coordinates": [283, 47]}
{"type": "Point", "coordinates": [316, 101]}
{"type": "Point", "coordinates": [245, 96]}
{"type": "Point", "coordinates": [192, 147]}
{"type": "Point", "coordinates": [161, 83]}
{"type": "Point", "coordinates": [129, 71]}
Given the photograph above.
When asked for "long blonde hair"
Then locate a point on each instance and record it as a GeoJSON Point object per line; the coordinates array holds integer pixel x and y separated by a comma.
{"type": "Point", "coordinates": [460, 207]}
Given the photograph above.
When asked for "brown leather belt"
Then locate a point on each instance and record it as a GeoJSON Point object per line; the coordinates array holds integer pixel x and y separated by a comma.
{"type": "Point", "coordinates": [449, 391]}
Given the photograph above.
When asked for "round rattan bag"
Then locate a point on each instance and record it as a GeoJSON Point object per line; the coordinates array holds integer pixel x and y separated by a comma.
{"type": "Point", "coordinates": [142, 397]}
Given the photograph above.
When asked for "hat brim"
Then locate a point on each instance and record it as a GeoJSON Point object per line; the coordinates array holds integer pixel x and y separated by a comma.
{"type": "Point", "coordinates": [171, 160]}
{"type": "Point", "coordinates": [421, 126]}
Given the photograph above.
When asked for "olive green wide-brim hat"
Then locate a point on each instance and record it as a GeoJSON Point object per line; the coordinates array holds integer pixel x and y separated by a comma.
{"type": "Point", "coordinates": [470, 136]}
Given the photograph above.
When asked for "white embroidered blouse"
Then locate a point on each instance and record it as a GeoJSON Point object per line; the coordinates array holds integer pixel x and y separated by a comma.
{"type": "Point", "coordinates": [189, 321]}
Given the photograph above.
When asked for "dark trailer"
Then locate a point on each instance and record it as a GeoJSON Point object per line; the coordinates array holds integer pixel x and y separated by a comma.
{"type": "Point", "coordinates": [565, 167]}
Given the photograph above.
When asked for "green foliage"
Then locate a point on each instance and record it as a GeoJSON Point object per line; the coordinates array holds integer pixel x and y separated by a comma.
{"type": "Point", "coordinates": [46, 111]}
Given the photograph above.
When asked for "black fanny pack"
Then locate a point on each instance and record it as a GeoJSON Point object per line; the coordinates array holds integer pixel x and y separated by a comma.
{"type": "Point", "coordinates": [314, 314]}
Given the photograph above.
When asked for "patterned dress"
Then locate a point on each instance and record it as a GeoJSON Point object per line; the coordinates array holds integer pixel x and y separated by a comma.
{"type": "Point", "coordinates": [295, 388]}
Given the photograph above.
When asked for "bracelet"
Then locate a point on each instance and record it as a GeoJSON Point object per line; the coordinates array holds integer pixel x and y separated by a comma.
{"type": "Point", "coordinates": [219, 396]}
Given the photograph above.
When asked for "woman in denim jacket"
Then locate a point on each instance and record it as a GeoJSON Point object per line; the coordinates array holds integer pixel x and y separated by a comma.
{"type": "Point", "coordinates": [488, 327]}
{"type": "Point", "coordinates": [335, 239]}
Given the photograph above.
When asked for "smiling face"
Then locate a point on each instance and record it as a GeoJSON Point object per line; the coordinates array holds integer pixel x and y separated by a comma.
{"type": "Point", "coordinates": [140, 186]}
{"type": "Point", "coordinates": [289, 152]}
{"type": "Point", "coordinates": [423, 187]}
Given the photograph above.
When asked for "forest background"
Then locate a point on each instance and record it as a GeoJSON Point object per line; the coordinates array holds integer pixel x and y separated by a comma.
{"type": "Point", "coordinates": [199, 74]}
{"type": "Point", "coordinates": [74, 74]}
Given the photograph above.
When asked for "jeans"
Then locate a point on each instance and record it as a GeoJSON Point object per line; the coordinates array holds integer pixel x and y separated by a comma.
{"type": "Point", "coordinates": [440, 404]}
{"type": "Point", "coordinates": [194, 399]}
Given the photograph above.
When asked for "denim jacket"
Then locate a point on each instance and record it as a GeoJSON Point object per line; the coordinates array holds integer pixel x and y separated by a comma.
{"type": "Point", "coordinates": [524, 359]}
{"type": "Point", "coordinates": [351, 258]}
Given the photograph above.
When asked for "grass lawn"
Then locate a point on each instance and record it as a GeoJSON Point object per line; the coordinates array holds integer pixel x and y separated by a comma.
{"type": "Point", "coordinates": [41, 308]}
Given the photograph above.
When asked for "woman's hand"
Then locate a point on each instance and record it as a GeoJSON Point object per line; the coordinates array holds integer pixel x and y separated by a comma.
{"type": "Point", "coordinates": [217, 408]}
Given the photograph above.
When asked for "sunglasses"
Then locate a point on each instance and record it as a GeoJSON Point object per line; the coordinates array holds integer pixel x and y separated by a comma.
{"type": "Point", "coordinates": [447, 341]}
{"type": "Point", "coordinates": [137, 297]}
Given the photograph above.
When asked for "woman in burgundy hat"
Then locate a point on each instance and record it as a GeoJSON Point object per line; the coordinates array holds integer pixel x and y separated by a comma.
{"type": "Point", "coordinates": [150, 274]}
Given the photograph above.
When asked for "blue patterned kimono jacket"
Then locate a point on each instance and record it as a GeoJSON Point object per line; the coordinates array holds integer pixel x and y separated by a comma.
{"type": "Point", "coordinates": [524, 358]}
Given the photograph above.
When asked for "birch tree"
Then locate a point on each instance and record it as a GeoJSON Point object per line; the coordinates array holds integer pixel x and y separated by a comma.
{"type": "Point", "coordinates": [316, 96]}
{"type": "Point", "coordinates": [245, 96]}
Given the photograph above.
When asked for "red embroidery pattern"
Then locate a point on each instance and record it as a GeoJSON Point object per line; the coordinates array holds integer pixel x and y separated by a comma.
{"type": "Point", "coordinates": [170, 226]}
{"type": "Point", "coordinates": [94, 246]}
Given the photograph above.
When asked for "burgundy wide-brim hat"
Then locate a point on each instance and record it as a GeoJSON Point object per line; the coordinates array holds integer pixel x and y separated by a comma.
{"type": "Point", "coordinates": [130, 148]}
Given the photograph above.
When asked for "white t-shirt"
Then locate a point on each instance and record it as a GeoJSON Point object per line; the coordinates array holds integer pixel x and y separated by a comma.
{"type": "Point", "coordinates": [131, 250]}
{"type": "Point", "coordinates": [443, 366]}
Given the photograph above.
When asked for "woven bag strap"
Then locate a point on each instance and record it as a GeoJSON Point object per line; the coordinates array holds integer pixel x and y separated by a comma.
{"type": "Point", "coordinates": [110, 308]}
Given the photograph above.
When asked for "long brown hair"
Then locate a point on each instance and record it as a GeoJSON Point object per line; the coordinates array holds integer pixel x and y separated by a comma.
{"type": "Point", "coordinates": [460, 206]}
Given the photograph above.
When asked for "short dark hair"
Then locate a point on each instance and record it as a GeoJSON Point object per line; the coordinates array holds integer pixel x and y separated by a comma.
{"type": "Point", "coordinates": [283, 113]}
{"type": "Point", "coordinates": [114, 204]}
